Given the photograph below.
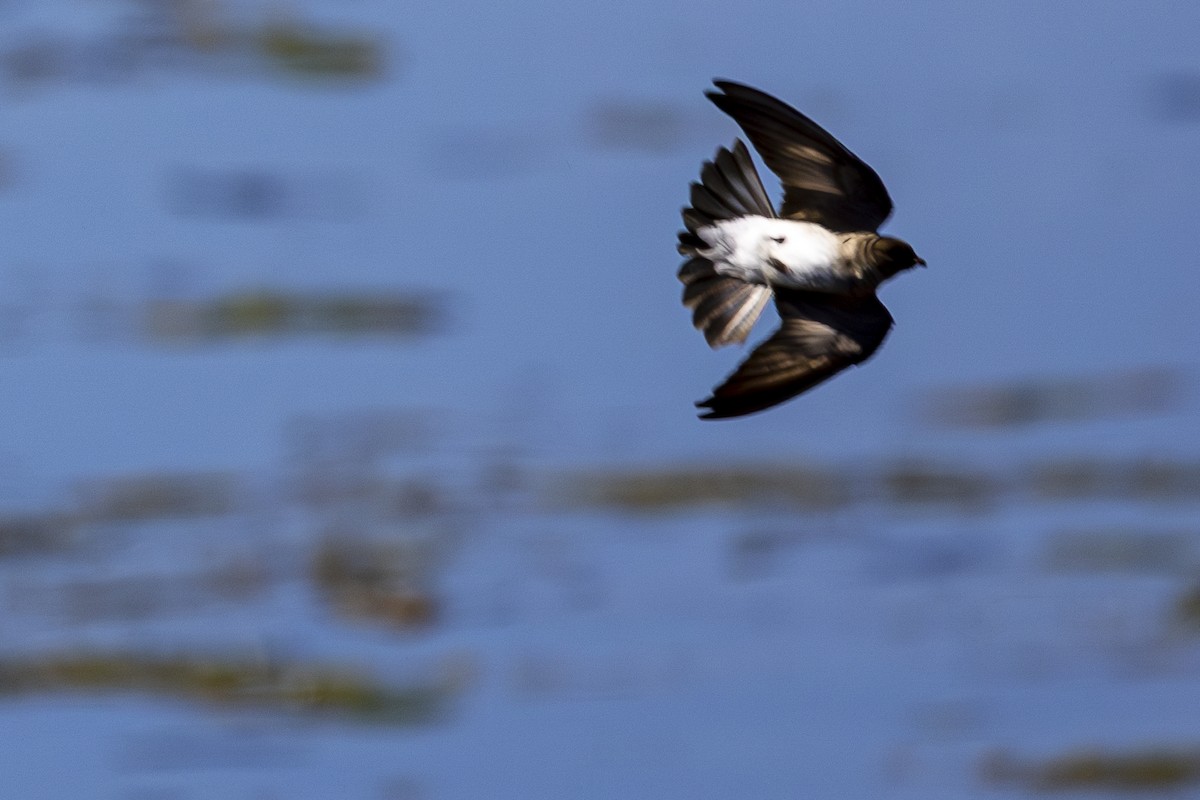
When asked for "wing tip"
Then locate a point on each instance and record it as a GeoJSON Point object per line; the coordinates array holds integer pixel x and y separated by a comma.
{"type": "Point", "coordinates": [715, 408]}
{"type": "Point", "coordinates": [709, 413]}
{"type": "Point", "coordinates": [728, 90]}
{"type": "Point", "coordinates": [725, 84]}
{"type": "Point", "coordinates": [706, 409]}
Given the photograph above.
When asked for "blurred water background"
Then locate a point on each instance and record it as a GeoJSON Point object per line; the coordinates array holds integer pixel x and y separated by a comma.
{"type": "Point", "coordinates": [346, 438]}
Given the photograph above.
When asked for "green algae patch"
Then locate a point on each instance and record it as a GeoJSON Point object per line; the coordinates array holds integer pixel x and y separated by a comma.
{"type": "Point", "coordinates": [309, 689]}
{"type": "Point", "coordinates": [309, 51]}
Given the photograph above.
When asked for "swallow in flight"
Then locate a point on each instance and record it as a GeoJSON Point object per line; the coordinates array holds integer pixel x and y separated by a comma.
{"type": "Point", "coordinates": [820, 257]}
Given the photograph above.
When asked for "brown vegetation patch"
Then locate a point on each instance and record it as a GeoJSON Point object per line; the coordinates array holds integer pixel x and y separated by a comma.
{"type": "Point", "coordinates": [674, 488]}
{"type": "Point", "coordinates": [1152, 769]}
{"type": "Point", "coordinates": [388, 582]}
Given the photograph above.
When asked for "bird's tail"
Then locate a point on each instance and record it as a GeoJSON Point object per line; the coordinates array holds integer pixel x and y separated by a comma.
{"type": "Point", "coordinates": [725, 309]}
{"type": "Point", "coordinates": [729, 188]}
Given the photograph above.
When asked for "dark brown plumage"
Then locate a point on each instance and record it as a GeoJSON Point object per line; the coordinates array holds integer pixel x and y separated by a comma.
{"type": "Point", "coordinates": [823, 182]}
{"type": "Point", "coordinates": [820, 336]}
{"type": "Point", "coordinates": [822, 332]}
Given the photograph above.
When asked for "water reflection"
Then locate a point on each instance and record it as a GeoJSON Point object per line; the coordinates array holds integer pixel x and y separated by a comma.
{"type": "Point", "coordinates": [1174, 97]}
{"type": "Point", "coordinates": [255, 194]}
{"type": "Point", "coordinates": [1146, 390]}
{"type": "Point", "coordinates": [621, 124]}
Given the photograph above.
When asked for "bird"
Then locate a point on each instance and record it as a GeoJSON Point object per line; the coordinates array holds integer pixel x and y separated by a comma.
{"type": "Point", "coordinates": [821, 258]}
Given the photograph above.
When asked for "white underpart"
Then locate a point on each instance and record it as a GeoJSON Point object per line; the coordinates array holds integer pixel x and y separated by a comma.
{"type": "Point", "coordinates": [748, 248]}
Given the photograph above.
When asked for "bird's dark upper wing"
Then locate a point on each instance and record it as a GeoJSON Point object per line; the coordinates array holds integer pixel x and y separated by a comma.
{"type": "Point", "coordinates": [820, 336]}
{"type": "Point", "coordinates": [823, 181]}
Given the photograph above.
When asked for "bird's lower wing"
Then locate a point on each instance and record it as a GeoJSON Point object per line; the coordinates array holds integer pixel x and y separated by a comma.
{"type": "Point", "coordinates": [817, 340]}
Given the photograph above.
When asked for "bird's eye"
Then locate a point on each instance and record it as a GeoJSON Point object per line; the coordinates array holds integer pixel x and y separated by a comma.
{"type": "Point", "coordinates": [778, 239]}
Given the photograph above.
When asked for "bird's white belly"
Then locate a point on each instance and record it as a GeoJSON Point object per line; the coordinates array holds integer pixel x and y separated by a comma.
{"type": "Point", "coordinates": [749, 248]}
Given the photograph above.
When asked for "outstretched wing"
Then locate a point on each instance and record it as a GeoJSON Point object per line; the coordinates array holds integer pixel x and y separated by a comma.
{"type": "Point", "coordinates": [820, 336]}
{"type": "Point", "coordinates": [823, 181]}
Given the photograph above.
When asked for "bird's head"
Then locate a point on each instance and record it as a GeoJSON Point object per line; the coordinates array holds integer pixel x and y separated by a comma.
{"type": "Point", "coordinates": [893, 255]}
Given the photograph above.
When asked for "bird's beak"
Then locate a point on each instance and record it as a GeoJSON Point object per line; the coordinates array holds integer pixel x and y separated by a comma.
{"type": "Point", "coordinates": [921, 261]}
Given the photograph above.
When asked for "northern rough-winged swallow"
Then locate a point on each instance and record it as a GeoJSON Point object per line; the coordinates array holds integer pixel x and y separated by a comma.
{"type": "Point", "coordinates": [820, 258]}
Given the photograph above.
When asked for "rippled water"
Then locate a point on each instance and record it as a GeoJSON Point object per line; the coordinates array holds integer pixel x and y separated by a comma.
{"type": "Point", "coordinates": [347, 448]}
